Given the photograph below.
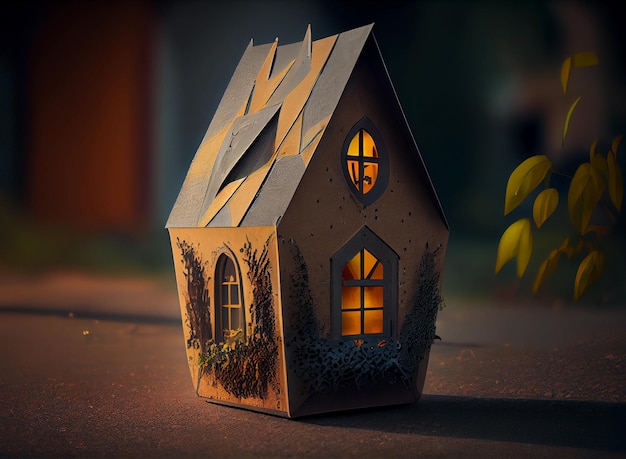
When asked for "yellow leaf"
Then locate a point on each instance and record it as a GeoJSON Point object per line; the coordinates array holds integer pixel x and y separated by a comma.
{"type": "Point", "coordinates": [615, 144]}
{"type": "Point", "coordinates": [516, 241]}
{"type": "Point", "coordinates": [588, 272]}
{"type": "Point", "coordinates": [584, 59]}
{"type": "Point", "coordinates": [585, 192]}
{"type": "Point", "coordinates": [566, 249]}
{"type": "Point", "coordinates": [609, 213]}
{"type": "Point", "coordinates": [579, 247]}
{"type": "Point", "coordinates": [546, 269]}
{"type": "Point", "coordinates": [545, 204]}
{"type": "Point", "coordinates": [599, 164]}
{"type": "Point", "coordinates": [600, 230]}
{"type": "Point", "coordinates": [524, 179]}
{"type": "Point", "coordinates": [616, 183]}
{"type": "Point", "coordinates": [592, 150]}
{"type": "Point", "coordinates": [565, 69]}
{"type": "Point", "coordinates": [567, 119]}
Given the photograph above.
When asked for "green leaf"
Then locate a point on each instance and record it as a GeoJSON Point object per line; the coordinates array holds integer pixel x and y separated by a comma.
{"type": "Point", "coordinates": [524, 179]}
{"type": "Point", "coordinates": [585, 192]}
{"type": "Point", "coordinates": [546, 269]}
{"type": "Point", "coordinates": [616, 183]}
{"type": "Point", "coordinates": [567, 119]}
{"type": "Point", "coordinates": [545, 205]}
{"type": "Point", "coordinates": [565, 69]}
{"type": "Point", "coordinates": [584, 59]}
{"type": "Point", "coordinates": [588, 272]}
{"type": "Point", "coordinates": [615, 144]}
{"type": "Point", "coordinates": [516, 241]}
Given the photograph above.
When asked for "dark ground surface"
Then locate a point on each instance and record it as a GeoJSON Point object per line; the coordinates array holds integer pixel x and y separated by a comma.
{"type": "Point", "coordinates": [96, 367]}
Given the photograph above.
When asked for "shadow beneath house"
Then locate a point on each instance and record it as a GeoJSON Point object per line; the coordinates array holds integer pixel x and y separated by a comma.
{"type": "Point", "coordinates": [576, 424]}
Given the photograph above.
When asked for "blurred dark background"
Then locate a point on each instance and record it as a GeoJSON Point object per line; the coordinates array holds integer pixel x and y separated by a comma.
{"type": "Point", "coordinates": [103, 104]}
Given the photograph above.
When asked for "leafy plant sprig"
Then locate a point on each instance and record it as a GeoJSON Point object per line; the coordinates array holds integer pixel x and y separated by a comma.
{"type": "Point", "coordinates": [596, 187]}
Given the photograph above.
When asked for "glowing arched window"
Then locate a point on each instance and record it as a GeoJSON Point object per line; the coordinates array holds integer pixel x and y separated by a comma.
{"type": "Point", "coordinates": [365, 162]}
{"type": "Point", "coordinates": [364, 286]}
{"type": "Point", "coordinates": [229, 306]}
{"type": "Point", "coordinates": [362, 158]}
{"type": "Point", "coordinates": [362, 295]}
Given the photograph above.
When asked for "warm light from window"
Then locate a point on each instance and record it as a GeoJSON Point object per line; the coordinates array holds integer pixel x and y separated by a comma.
{"type": "Point", "coordinates": [230, 302]}
{"type": "Point", "coordinates": [362, 295]}
{"type": "Point", "coordinates": [362, 157]}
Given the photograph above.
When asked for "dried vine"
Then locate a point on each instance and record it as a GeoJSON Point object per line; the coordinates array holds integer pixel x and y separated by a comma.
{"type": "Point", "coordinates": [248, 369]}
{"type": "Point", "coordinates": [418, 331]}
{"type": "Point", "coordinates": [324, 365]}
{"type": "Point", "coordinates": [197, 304]}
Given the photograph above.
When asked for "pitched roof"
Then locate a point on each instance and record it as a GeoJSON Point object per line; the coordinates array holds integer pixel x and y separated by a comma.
{"type": "Point", "coordinates": [265, 131]}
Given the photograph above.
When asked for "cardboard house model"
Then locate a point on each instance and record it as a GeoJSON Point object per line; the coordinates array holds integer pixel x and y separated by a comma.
{"type": "Point", "coordinates": [307, 238]}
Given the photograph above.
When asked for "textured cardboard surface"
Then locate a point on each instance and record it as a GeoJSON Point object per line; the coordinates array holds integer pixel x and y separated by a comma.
{"type": "Point", "coordinates": [277, 168]}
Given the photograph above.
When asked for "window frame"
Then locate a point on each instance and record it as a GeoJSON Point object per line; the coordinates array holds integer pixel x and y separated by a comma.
{"type": "Point", "coordinates": [365, 238]}
{"type": "Point", "coordinates": [382, 178]}
{"type": "Point", "coordinates": [220, 265]}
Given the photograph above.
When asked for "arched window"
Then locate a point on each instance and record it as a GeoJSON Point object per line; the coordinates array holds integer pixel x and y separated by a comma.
{"type": "Point", "coordinates": [365, 162]}
{"type": "Point", "coordinates": [229, 314]}
{"type": "Point", "coordinates": [364, 287]}
{"type": "Point", "coordinates": [362, 294]}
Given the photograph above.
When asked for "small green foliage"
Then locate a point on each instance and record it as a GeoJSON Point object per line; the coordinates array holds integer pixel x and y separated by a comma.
{"type": "Point", "coordinates": [596, 190]}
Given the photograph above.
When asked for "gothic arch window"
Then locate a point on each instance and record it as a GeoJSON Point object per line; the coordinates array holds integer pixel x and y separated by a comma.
{"type": "Point", "coordinates": [229, 311]}
{"type": "Point", "coordinates": [364, 287]}
{"type": "Point", "coordinates": [365, 162]}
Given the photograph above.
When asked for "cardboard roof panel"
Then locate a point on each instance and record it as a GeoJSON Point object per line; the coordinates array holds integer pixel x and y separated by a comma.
{"type": "Point", "coordinates": [291, 143]}
{"type": "Point", "coordinates": [276, 193]}
{"type": "Point", "coordinates": [239, 175]}
{"type": "Point", "coordinates": [301, 68]}
{"type": "Point", "coordinates": [240, 202]}
{"type": "Point", "coordinates": [186, 210]}
{"type": "Point", "coordinates": [239, 88]}
{"type": "Point", "coordinates": [223, 218]}
{"type": "Point", "coordinates": [295, 100]}
{"type": "Point", "coordinates": [220, 201]}
{"type": "Point", "coordinates": [331, 83]}
{"type": "Point", "coordinates": [235, 146]}
{"type": "Point", "coordinates": [264, 86]}
{"type": "Point", "coordinates": [285, 54]}
{"type": "Point", "coordinates": [311, 139]}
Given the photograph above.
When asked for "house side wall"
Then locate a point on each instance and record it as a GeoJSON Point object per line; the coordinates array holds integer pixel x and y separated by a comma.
{"type": "Point", "coordinates": [219, 368]}
{"type": "Point", "coordinates": [324, 214]}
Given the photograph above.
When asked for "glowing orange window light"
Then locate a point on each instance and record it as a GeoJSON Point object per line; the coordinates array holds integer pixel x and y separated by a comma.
{"type": "Point", "coordinates": [362, 295]}
{"type": "Point", "coordinates": [230, 301]}
{"type": "Point", "coordinates": [362, 157]}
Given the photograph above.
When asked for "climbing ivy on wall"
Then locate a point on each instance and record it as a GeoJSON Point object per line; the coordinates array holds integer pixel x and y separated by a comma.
{"type": "Point", "coordinates": [243, 368]}
{"type": "Point", "coordinates": [326, 365]}
{"type": "Point", "coordinates": [197, 300]}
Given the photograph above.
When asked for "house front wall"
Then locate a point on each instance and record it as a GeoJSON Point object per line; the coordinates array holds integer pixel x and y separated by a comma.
{"type": "Point", "coordinates": [325, 215]}
{"type": "Point", "coordinates": [227, 282]}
